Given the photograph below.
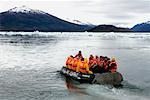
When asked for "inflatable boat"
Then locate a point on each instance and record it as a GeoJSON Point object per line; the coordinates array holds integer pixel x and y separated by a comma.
{"type": "Point", "coordinates": [96, 78]}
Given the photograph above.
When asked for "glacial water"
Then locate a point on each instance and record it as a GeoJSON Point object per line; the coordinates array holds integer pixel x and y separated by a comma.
{"type": "Point", "coordinates": [30, 61]}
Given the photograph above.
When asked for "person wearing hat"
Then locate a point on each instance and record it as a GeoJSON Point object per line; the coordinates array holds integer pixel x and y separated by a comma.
{"type": "Point", "coordinates": [113, 65]}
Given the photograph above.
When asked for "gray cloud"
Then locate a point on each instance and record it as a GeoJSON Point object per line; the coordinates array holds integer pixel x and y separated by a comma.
{"type": "Point", "coordinates": [117, 8]}
{"type": "Point", "coordinates": [134, 6]}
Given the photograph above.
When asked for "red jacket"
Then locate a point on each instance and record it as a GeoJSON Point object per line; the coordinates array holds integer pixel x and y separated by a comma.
{"type": "Point", "coordinates": [113, 66]}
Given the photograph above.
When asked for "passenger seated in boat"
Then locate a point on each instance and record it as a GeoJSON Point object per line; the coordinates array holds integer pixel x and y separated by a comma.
{"type": "Point", "coordinates": [103, 64]}
{"type": "Point", "coordinates": [74, 64]}
{"type": "Point", "coordinates": [92, 61]}
{"type": "Point", "coordinates": [95, 65]}
{"type": "Point", "coordinates": [108, 63]}
{"type": "Point", "coordinates": [79, 55]}
{"type": "Point", "coordinates": [101, 60]}
{"type": "Point", "coordinates": [113, 65]}
{"type": "Point", "coordinates": [83, 66]}
{"type": "Point", "coordinates": [69, 62]}
{"type": "Point", "coordinates": [94, 68]}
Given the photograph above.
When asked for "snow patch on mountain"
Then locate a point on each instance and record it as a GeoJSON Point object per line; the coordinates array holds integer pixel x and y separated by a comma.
{"type": "Point", "coordinates": [79, 22]}
{"type": "Point", "coordinates": [24, 9]}
{"type": "Point", "coordinates": [148, 22]}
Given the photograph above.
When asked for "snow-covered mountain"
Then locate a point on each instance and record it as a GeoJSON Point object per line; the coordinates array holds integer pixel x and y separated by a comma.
{"type": "Point", "coordinates": [24, 9]}
{"type": "Point", "coordinates": [148, 22]}
{"type": "Point", "coordinates": [142, 27]}
{"type": "Point", "coordinates": [79, 22]}
{"type": "Point", "coordinates": [26, 19]}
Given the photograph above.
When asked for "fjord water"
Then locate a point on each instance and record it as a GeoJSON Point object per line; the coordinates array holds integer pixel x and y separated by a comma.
{"type": "Point", "coordinates": [30, 61]}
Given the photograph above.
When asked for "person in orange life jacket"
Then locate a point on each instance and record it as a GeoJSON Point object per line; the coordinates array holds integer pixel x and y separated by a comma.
{"type": "Point", "coordinates": [97, 59]}
{"type": "Point", "coordinates": [92, 61]}
{"type": "Point", "coordinates": [99, 65]}
{"type": "Point", "coordinates": [113, 65]}
{"type": "Point", "coordinates": [108, 62]}
{"type": "Point", "coordinates": [102, 64]}
{"type": "Point", "coordinates": [80, 61]}
{"type": "Point", "coordinates": [79, 55]}
{"type": "Point", "coordinates": [83, 66]}
{"type": "Point", "coordinates": [95, 67]}
{"type": "Point", "coordinates": [69, 61]}
{"type": "Point", "coordinates": [105, 63]}
{"type": "Point", "coordinates": [74, 64]}
{"type": "Point", "coordinates": [101, 61]}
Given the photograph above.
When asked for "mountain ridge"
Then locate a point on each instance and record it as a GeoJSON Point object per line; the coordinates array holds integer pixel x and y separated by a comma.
{"type": "Point", "coordinates": [109, 28]}
{"type": "Point", "coordinates": [142, 27]}
{"type": "Point", "coordinates": [33, 20]}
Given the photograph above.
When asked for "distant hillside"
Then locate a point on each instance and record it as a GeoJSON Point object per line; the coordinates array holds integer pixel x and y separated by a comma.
{"type": "Point", "coordinates": [143, 27]}
{"type": "Point", "coordinates": [108, 28]}
{"type": "Point", "coordinates": [26, 19]}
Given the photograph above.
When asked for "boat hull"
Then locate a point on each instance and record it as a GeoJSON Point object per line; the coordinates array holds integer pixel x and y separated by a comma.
{"type": "Point", "coordinates": [84, 78]}
{"type": "Point", "coordinates": [97, 78]}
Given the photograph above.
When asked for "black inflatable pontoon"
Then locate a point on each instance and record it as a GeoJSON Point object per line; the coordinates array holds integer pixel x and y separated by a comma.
{"type": "Point", "coordinates": [104, 78]}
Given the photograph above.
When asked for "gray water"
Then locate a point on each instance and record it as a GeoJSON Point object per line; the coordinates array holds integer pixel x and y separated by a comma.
{"type": "Point", "coordinates": [30, 61]}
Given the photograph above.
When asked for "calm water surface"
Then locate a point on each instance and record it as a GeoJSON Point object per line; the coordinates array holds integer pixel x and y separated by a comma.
{"type": "Point", "coordinates": [30, 61]}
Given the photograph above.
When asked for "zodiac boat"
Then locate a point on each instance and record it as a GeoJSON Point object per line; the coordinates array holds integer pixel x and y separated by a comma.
{"type": "Point", "coordinates": [96, 78]}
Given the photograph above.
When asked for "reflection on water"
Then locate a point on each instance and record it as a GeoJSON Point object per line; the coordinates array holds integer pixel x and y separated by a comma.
{"type": "Point", "coordinates": [72, 86]}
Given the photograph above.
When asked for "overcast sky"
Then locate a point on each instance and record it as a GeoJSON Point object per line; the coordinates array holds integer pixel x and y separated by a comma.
{"type": "Point", "coordinates": [118, 12]}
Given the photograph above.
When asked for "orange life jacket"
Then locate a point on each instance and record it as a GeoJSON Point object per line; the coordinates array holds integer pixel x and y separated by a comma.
{"type": "Point", "coordinates": [92, 62]}
{"type": "Point", "coordinates": [99, 62]}
{"type": "Point", "coordinates": [105, 64]}
{"type": "Point", "coordinates": [74, 63]}
{"type": "Point", "coordinates": [69, 62]}
{"type": "Point", "coordinates": [83, 67]}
